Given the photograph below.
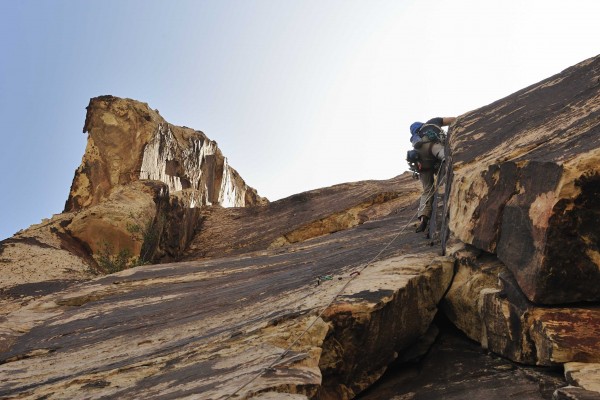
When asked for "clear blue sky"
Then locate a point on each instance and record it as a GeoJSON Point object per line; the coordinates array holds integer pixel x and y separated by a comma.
{"type": "Point", "coordinates": [299, 94]}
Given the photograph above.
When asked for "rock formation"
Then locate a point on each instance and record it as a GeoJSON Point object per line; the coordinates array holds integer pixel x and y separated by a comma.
{"type": "Point", "coordinates": [316, 295]}
{"type": "Point", "coordinates": [134, 200]}
{"type": "Point", "coordinates": [527, 184]}
{"type": "Point", "coordinates": [209, 341]}
{"type": "Point", "coordinates": [128, 141]}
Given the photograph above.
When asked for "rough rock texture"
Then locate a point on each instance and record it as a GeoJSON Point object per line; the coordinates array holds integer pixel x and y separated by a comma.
{"type": "Point", "coordinates": [314, 296]}
{"type": "Point", "coordinates": [39, 260]}
{"type": "Point", "coordinates": [127, 141]}
{"type": "Point", "coordinates": [574, 393]}
{"type": "Point", "coordinates": [584, 375]}
{"type": "Point", "coordinates": [132, 201]}
{"type": "Point", "coordinates": [486, 303]}
{"type": "Point", "coordinates": [457, 369]}
{"type": "Point", "coordinates": [210, 327]}
{"type": "Point", "coordinates": [526, 184]}
{"type": "Point", "coordinates": [300, 217]}
{"type": "Point", "coordinates": [140, 221]}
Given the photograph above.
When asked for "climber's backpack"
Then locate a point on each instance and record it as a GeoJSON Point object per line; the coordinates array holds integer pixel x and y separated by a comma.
{"type": "Point", "coordinates": [427, 133]}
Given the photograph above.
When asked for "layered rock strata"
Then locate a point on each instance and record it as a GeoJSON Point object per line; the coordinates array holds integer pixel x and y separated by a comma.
{"type": "Point", "coordinates": [524, 197]}
{"type": "Point", "coordinates": [128, 141]}
{"type": "Point", "coordinates": [526, 184]}
{"type": "Point", "coordinates": [134, 200]}
{"type": "Point", "coordinates": [300, 217]}
{"type": "Point", "coordinates": [312, 296]}
{"type": "Point", "coordinates": [214, 326]}
{"type": "Point", "coordinates": [486, 303]}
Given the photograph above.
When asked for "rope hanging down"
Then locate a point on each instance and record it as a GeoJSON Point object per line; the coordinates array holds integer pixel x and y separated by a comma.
{"type": "Point", "coordinates": [353, 276]}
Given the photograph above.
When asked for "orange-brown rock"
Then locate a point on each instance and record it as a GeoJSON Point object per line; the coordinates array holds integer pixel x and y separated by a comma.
{"type": "Point", "coordinates": [312, 296]}
{"type": "Point", "coordinates": [526, 184]}
{"type": "Point", "coordinates": [486, 303]}
{"type": "Point", "coordinates": [128, 141]}
{"type": "Point", "coordinates": [221, 326]}
{"type": "Point", "coordinates": [300, 217]}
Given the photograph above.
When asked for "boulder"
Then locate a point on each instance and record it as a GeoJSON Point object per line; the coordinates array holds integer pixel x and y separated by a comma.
{"type": "Point", "coordinates": [526, 184]}
{"type": "Point", "coordinates": [128, 141]}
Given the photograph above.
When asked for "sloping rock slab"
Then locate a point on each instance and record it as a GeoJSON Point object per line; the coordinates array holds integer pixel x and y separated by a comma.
{"type": "Point", "coordinates": [40, 260]}
{"type": "Point", "coordinates": [526, 184]}
{"type": "Point", "coordinates": [300, 217]}
{"type": "Point", "coordinates": [211, 329]}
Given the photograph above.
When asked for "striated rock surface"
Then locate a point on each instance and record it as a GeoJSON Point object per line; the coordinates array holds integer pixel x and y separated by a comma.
{"type": "Point", "coordinates": [133, 201]}
{"type": "Point", "coordinates": [300, 217]}
{"type": "Point", "coordinates": [584, 375]}
{"type": "Point", "coordinates": [128, 141]}
{"type": "Point", "coordinates": [316, 295]}
{"type": "Point", "coordinates": [222, 325]}
{"type": "Point", "coordinates": [526, 184]}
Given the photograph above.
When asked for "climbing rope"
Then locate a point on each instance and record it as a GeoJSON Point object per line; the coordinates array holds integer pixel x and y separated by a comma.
{"type": "Point", "coordinates": [353, 276]}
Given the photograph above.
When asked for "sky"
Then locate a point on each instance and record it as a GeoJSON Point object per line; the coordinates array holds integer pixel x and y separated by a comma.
{"type": "Point", "coordinates": [299, 94]}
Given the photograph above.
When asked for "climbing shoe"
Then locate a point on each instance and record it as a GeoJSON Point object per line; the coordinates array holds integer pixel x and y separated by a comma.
{"type": "Point", "coordinates": [423, 225]}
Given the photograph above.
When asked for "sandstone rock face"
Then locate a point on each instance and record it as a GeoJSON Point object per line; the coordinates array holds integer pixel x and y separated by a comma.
{"type": "Point", "coordinates": [313, 296]}
{"type": "Point", "coordinates": [526, 184]}
{"type": "Point", "coordinates": [584, 375]}
{"type": "Point", "coordinates": [343, 305]}
{"type": "Point", "coordinates": [127, 141]}
{"type": "Point", "coordinates": [40, 260]}
{"type": "Point", "coordinates": [133, 200]}
{"type": "Point", "coordinates": [491, 309]}
{"type": "Point", "coordinates": [300, 217]}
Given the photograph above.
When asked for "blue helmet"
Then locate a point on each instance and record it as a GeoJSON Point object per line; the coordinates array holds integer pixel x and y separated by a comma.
{"type": "Point", "coordinates": [415, 126]}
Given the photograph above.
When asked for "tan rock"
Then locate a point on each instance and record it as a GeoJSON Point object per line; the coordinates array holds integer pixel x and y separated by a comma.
{"type": "Point", "coordinates": [526, 174]}
{"type": "Point", "coordinates": [584, 375]}
{"type": "Point", "coordinates": [216, 327]}
{"type": "Point", "coordinates": [301, 217]}
{"type": "Point", "coordinates": [487, 304]}
{"type": "Point", "coordinates": [116, 221]}
{"type": "Point", "coordinates": [127, 141]}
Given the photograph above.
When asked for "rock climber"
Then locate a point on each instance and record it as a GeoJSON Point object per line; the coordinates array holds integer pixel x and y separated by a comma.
{"type": "Point", "coordinates": [427, 141]}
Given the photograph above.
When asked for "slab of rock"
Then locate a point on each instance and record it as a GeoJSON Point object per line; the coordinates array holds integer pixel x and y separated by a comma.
{"type": "Point", "coordinates": [40, 260]}
{"type": "Point", "coordinates": [526, 184]}
{"type": "Point", "coordinates": [138, 223]}
{"type": "Point", "coordinates": [128, 141]}
{"type": "Point", "coordinates": [486, 303]}
{"type": "Point", "coordinates": [218, 327]}
{"type": "Point", "coordinates": [301, 217]}
{"type": "Point", "coordinates": [574, 393]}
{"type": "Point", "coordinates": [584, 375]}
